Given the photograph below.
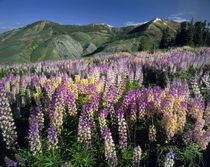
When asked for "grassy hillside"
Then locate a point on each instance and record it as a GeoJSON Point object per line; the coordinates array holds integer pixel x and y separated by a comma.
{"type": "Point", "coordinates": [44, 40]}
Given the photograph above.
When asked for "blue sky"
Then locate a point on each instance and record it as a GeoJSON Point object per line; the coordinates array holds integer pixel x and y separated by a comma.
{"type": "Point", "coordinates": [17, 13]}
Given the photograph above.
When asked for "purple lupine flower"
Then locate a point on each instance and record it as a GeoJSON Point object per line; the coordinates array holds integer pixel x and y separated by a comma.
{"type": "Point", "coordinates": [88, 110]}
{"type": "Point", "coordinates": [102, 119]}
{"type": "Point", "coordinates": [20, 160]}
{"type": "Point", "coordinates": [70, 100]}
{"type": "Point", "coordinates": [195, 108]}
{"type": "Point", "coordinates": [136, 156]}
{"type": "Point", "coordinates": [128, 99]}
{"type": "Point", "coordinates": [169, 159]}
{"type": "Point", "coordinates": [119, 91]}
{"type": "Point", "coordinates": [207, 115]}
{"type": "Point", "coordinates": [95, 101]}
{"type": "Point", "coordinates": [201, 136]}
{"type": "Point", "coordinates": [109, 96]}
{"type": "Point", "coordinates": [188, 136]}
{"type": "Point", "coordinates": [204, 140]}
{"type": "Point", "coordinates": [52, 137]}
{"type": "Point", "coordinates": [122, 130]}
{"type": "Point", "coordinates": [82, 88]}
{"type": "Point", "coordinates": [39, 114]}
{"type": "Point", "coordinates": [110, 152]}
{"type": "Point", "coordinates": [177, 83]}
{"type": "Point", "coordinates": [84, 131]}
{"type": "Point", "coordinates": [33, 134]}
{"type": "Point", "coordinates": [131, 76]}
{"type": "Point", "coordinates": [58, 108]}
{"type": "Point", "coordinates": [48, 90]}
{"type": "Point", "coordinates": [133, 113]}
{"type": "Point", "coordinates": [9, 162]}
{"type": "Point", "coordinates": [142, 109]}
{"type": "Point", "coordinates": [6, 120]}
{"type": "Point", "coordinates": [139, 74]}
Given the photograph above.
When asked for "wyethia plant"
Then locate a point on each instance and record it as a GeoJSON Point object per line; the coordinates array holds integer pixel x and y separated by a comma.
{"type": "Point", "coordinates": [6, 120]}
{"type": "Point", "coordinates": [136, 157]}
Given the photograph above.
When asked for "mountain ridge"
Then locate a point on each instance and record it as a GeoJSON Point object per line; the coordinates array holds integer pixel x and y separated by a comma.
{"type": "Point", "coordinates": [46, 40]}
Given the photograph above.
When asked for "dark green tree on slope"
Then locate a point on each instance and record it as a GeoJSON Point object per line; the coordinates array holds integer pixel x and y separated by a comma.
{"type": "Point", "coordinates": [143, 45]}
{"type": "Point", "coordinates": [166, 39]}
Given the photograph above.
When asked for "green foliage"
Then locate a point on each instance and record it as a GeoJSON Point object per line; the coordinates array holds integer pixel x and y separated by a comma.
{"type": "Point", "coordinates": [166, 38]}
{"type": "Point", "coordinates": [190, 156]}
{"type": "Point", "coordinates": [47, 158]}
{"type": "Point", "coordinates": [81, 155]}
{"type": "Point", "coordinates": [144, 44]}
{"type": "Point", "coordinates": [125, 158]}
{"type": "Point", "coordinates": [193, 34]}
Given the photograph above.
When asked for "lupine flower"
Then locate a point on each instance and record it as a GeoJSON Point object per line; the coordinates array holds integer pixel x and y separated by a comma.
{"type": "Point", "coordinates": [142, 109]}
{"type": "Point", "coordinates": [111, 76]}
{"type": "Point", "coordinates": [70, 100]}
{"type": "Point", "coordinates": [196, 108]}
{"type": "Point", "coordinates": [169, 123]}
{"type": "Point", "coordinates": [188, 136]}
{"type": "Point", "coordinates": [122, 130]}
{"type": "Point", "coordinates": [20, 160]}
{"type": "Point", "coordinates": [84, 131]}
{"type": "Point", "coordinates": [139, 74]}
{"type": "Point", "coordinates": [119, 91]}
{"type": "Point", "coordinates": [204, 140]}
{"type": "Point", "coordinates": [9, 162]}
{"type": "Point", "coordinates": [169, 159]}
{"type": "Point", "coordinates": [201, 136]}
{"type": "Point", "coordinates": [131, 76]}
{"type": "Point", "coordinates": [109, 96]}
{"type": "Point", "coordinates": [136, 156]}
{"type": "Point", "coordinates": [33, 134]}
{"type": "Point", "coordinates": [110, 152]}
{"type": "Point", "coordinates": [39, 114]}
{"type": "Point", "coordinates": [88, 109]}
{"type": "Point", "coordinates": [133, 111]}
{"type": "Point", "coordinates": [95, 101]}
{"type": "Point", "coordinates": [102, 121]}
{"type": "Point", "coordinates": [152, 133]}
{"type": "Point", "coordinates": [113, 115]}
{"type": "Point", "coordinates": [58, 108]}
{"type": "Point", "coordinates": [195, 88]}
{"type": "Point", "coordinates": [207, 114]}
{"type": "Point", "coordinates": [100, 85]}
{"type": "Point", "coordinates": [6, 120]}
{"type": "Point", "coordinates": [52, 137]}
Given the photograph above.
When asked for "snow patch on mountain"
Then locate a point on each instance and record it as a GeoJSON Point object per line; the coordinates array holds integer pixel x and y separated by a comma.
{"type": "Point", "coordinates": [156, 19]}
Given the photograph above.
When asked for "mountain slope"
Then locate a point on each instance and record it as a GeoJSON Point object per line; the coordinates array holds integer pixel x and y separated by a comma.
{"type": "Point", "coordinates": [44, 40]}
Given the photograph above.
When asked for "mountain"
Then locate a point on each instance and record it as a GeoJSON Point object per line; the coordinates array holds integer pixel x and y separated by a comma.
{"type": "Point", "coordinates": [45, 40]}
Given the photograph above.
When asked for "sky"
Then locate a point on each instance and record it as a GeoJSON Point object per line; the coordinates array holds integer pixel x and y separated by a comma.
{"type": "Point", "coordinates": [18, 13]}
